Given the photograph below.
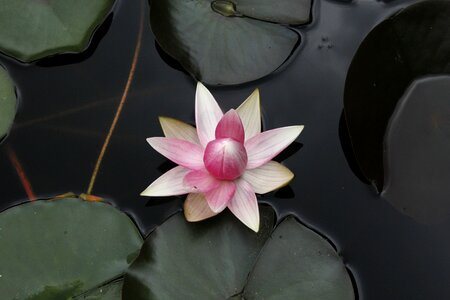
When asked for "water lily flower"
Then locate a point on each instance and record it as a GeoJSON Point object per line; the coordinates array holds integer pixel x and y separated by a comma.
{"type": "Point", "coordinates": [222, 162]}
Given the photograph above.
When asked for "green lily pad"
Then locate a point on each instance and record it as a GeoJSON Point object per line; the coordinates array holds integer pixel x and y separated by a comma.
{"type": "Point", "coordinates": [409, 45]}
{"type": "Point", "coordinates": [30, 30]}
{"type": "Point", "coordinates": [110, 291]}
{"type": "Point", "coordinates": [8, 103]}
{"type": "Point", "coordinates": [221, 259]}
{"type": "Point", "coordinates": [417, 145]}
{"type": "Point", "coordinates": [297, 263]}
{"type": "Point", "coordinates": [225, 42]}
{"type": "Point", "coordinates": [57, 249]}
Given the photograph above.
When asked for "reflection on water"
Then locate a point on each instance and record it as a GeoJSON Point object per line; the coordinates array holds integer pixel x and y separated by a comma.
{"type": "Point", "coordinates": [417, 164]}
{"type": "Point", "coordinates": [72, 105]}
{"type": "Point", "coordinates": [404, 47]}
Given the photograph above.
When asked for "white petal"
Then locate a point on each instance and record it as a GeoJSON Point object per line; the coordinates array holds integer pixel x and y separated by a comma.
{"type": "Point", "coordinates": [268, 177]}
{"type": "Point", "coordinates": [268, 144]}
{"type": "Point", "coordinates": [207, 114]}
{"type": "Point", "coordinates": [174, 128]}
{"type": "Point", "coordinates": [196, 208]}
{"type": "Point", "coordinates": [170, 183]}
{"type": "Point", "coordinates": [250, 113]}
{"type": "Point", "coordinates": [244, 205]}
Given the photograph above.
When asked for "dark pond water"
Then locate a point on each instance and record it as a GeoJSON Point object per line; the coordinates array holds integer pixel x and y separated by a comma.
{"type": "Point", "coordinates": [67, 104]}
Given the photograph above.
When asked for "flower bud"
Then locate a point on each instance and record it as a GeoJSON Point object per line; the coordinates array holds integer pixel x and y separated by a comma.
{"type": "Point", "coordinates": [225, 158]}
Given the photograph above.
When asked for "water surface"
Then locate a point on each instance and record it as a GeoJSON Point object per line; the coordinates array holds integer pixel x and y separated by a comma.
{"type": "Point", "coordinates": [68, 102]}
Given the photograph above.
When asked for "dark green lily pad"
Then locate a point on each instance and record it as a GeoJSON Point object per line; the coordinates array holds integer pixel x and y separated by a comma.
{"type": "Point", "coordinates": [57, 249]}
{"type": "Point", "coordinates": [411, 44]}
{"type": "Point", "coordinates": [214, 259]}
{"type": "Point", "coordinates": [297, 263]}
{"type": "Point", "coordinates": [30, 30]}
{"type": "Point", "coordinates": [225, 42]}
{"type": "Point", "coordinates": [110, 291]}
{"type": "Point", "coordinates": [8, 103]}
{"type": "Point", "coordinates": [417, 152]}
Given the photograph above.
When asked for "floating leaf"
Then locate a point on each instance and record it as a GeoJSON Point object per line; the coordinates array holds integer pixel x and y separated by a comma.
{"type": "Point", "coordinates": [30, 30]}
{"type": "Point", "coordinates": [408, 45]}
{"type": "Point", "coordinates": [8, 103]}
{"type": "Point", "coordinates": [57, 249]}
{"type": "Point", "coordinates": [223, 42]}
{"type": "Point", "coordinates": [210, 260]}
{"type": "Point", "coordinates": [417, 151]}
{"type": "Point", "coordinates": [297, 263]}
{"type": "Point", "coordinates": [213, 260]}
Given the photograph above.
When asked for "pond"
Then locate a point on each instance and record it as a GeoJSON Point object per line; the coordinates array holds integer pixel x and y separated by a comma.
{"type": "Point", "coordinates": [68, 102]}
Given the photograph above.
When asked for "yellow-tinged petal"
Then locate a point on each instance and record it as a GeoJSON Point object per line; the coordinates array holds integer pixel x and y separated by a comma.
{"type": "Point", "coordinates": [250, 113]}
{"type": "Point", "coordinates": [196, 208]}
{"type": "Point", "coordinates": [174, 128]}
{"type": "Point", "coordinates": [268, 177]}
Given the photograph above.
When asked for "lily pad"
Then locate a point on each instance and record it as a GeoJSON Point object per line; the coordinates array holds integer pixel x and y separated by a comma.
{"type": "Point", "coordinates": [297, 263]}
{"type": "Point", "coordinates": [221, 259]}
{"type": "Point", "coordinates": [411, 44]}
{"type": "Point", "coordinates": [228, 42]}
{"type": "Point", "coordinates": [417, 146]}
{"type": "Point", "coordinates": [30, 30]}
{"type": "Point", "coordinates": [8, 103]}
{"type": "Point", "coordinates": [57, 249]}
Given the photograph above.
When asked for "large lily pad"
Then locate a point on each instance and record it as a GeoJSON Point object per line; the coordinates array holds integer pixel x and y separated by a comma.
{"type": "Point", "coordinates": [411, 44]}
{"type": "Point", "coordinates": [417, 151]}
{"type": "Point", "coordinates": [228, 42]}
{"type": "Point", "coordinates": [8, 103]}
{"type": "Point", "coordinates": [63, 248]}
{"type": "Point", "coordinates": [214, 259]}
{"type": "Point", "coordinates": [30, 30]}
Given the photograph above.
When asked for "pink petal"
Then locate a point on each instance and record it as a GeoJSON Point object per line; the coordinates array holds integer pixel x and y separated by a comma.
{"type": "Point", "coordinates": [173, 128]}
{"type": "Point", "coordinates": [230, 126]}
{"type": "Point", "coordinates": [196, 208]}
{"type": "Point", "coordinates": [168, 184]}
{"type": "Point", "coordinates": [200, 181]}
{"type": "Point", "coordinates": [181, 152]}
{"type": "Point", "coordinates": [266, 145]}
{"type": "Point", "coordinates": [268, 177]}
{"type": "Point", "coordinates": [219, 197]}
{"type": "Point", "coordinates": [207, 114]}
{"type": "Point", "coordinates": [250, 113]}
{"type": "Point", "coordinates": [244, 205]}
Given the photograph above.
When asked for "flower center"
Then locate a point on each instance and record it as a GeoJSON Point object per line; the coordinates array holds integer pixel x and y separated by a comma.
{"type": "Point", "coordinates": [225, 158]}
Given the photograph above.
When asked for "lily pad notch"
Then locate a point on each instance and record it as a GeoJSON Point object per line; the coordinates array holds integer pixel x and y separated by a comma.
{"type": "Point", "coordinates": [31, 30]}
{"type": "Point", "coordinates": [8, 103]}
{"type": "Point", "coordinates": [223, 260]}
{"type": "Point", "coordinates": [225, 42]}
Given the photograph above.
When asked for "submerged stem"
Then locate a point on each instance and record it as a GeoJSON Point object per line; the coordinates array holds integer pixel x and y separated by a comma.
{"type": "Point", "coordinates": [121, 104]}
